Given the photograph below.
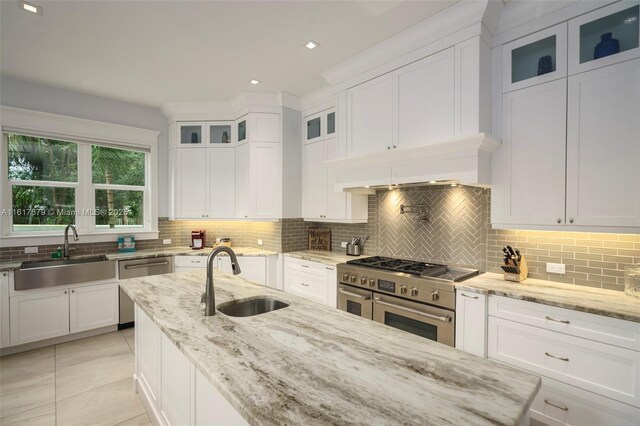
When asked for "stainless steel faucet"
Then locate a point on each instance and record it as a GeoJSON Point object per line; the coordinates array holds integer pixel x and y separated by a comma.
{"type": "Point", "coordinates": [209, 295]}
{"type": "Point", "coordinates": [66, 238]}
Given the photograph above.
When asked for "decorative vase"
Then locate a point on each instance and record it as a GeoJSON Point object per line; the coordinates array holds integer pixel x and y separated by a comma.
{"type": "Point", "coordinates": [607, 46]}
{"type": "Point", "coordinates": [545, 65]}
{"type": "Point", "coordinates": [194, 137]}
{"type": "Point", "coordinates": [225, 137]}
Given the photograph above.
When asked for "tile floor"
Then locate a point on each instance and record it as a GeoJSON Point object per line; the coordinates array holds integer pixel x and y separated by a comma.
{"type": "Point", "coordinates": [85, 382]}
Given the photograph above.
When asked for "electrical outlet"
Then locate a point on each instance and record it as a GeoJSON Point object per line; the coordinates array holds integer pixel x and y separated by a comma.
{"type": "Point", "coordinates": [30, 250]}
{"type": "Point", "coordinates": [259, 242]}
{"type": "Point", "coordinates": [344, 244]}
{"type": "Point", "coordinates": [555, 268]}
{"type": "Point", "coordinates": [167, 241]}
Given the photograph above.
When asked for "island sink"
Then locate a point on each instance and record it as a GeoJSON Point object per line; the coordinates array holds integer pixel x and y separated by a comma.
{"type": "Point", "coordinates": [252, 307]}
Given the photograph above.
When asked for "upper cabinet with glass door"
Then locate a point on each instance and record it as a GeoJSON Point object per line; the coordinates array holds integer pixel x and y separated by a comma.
{"type": "Point", "coordinates": [604, 37]}
{"type": "Point", "coordinates": [219, 133]}
{"type": "Point", "coordinates": [241, 129]}
{"type": "Point", "coordinates": [534, 59]}
{"type": "Point", "coordinates": [319, 126]}
{"type": "Point", "coordinates": [191, 134]}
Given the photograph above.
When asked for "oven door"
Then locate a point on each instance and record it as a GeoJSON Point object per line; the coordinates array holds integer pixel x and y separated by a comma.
{"type": "Point", "coordinates": [355, 301]}
{"type": "Point", "coordinates": [422, 320]}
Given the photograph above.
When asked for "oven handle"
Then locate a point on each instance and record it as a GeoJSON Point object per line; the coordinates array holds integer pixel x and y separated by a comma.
{"type": "Point", "coordinates": [413, 311]}
{"type": "Point", "coordinates": [348, 293]}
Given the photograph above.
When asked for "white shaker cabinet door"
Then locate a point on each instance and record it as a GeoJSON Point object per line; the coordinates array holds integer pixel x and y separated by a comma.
{"type": "Point", "coordinates": [5, 331]}
{"type": "Point", "coordinates": [93, 307]}
{"type": "Point", "coordinates": [39, 316]}
{"type": "Point", "coordinates": [177, 374]}
{"type": "Point", "coordinates": [370, 116]}
{"type": "Point", "coordinates": [603, 147]}
{"type": "Point", "coordinates": [254, 268]}
{"type": "Point", "coordinates": [191, 183]}
{"type": "Point", "coordinates": [242, 174]}
{"type": "Point", "coordinates": [471, 322]}
{"type": "Point", "coordinates": [148, 357]}
{"type": "Point", "coordinates": [426, 93]}
{"type": "Point", "coordinates": [221, 175]}
{"type": "Point", "coordinates": [315, 181]}
{"type": "Point", "coordinates": [211, 408]}
{"type": "Point", "coordinates": [338, 203]}
{"type": "Point", "coordinates": [529, 168]}
{"type": "Point", "coordinates": [265, 180]}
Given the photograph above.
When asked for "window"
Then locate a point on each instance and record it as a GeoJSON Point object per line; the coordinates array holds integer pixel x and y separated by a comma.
{"type": "Point", "coordinates": [54, 183]}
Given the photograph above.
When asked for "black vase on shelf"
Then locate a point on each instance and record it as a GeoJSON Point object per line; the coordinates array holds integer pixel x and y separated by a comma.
{"type": "Point", "coordinates": [225, 137]}
{"type": "Point", "coordinates": [194, 137]}
{"type": "Point", "coordinates": [545, 65]}
{"type": "Point", "coordinates": [607, 46]}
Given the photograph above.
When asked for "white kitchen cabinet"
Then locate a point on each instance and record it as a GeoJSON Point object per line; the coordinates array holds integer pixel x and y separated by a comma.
{"type": "Point", "coordinates": [191, 183]}
{"type": "Point", "coordinates": [603, 147]}
{"type": "Point", "coordinates": [220, 177]}
{"type": "Point", "coordinates": [528, 181]}
{"type": "Point", "coordinates": [189, 263]}
{"type": "Point", "coordinates": [148, 337]}
{"type": "Point", "coordinates": [177, 374]}
{"type": "Point", "coordinates": [190, 134]}
{"type": "Point", "coordinates": [254, 268]}
{"type": "Point", "coordinates": [264, 127]}
{"type": "Point", "coordinates": [265, 180]}
{"type": "Point", "coordinates": [212, 408]}
{"type": "Point", "coordinates": [39, 316]}
{"type": "Point", "coordinates": [312, 280]}
{"type": "Point", "coordinates": [218, 132]}
{"type": "Point", "coordinates": [315, 182]}
{"type": "Point", "coordinates": [425, 104]}
{"type": "Point", "coordinates": [471, 322]}
{"type": "Point", "coordinates": [242, 181]}
{"type": "Point", "coordinates": [370, 111]}
{"type": "Point", "coordinates": [93, 306]}
{"type": "Point", "coordinates": [5, 331]}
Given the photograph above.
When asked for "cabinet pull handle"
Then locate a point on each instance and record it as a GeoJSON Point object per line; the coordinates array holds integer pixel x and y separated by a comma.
{"type": "Point", "coordinates": [145, 265]}
{"type": "Point", "coordinates": [559, 220]}
{"type": "Point", "coordinates": [65, 292]}
{"type": "Point", "coordinates": [73, 291]}
{"type": "Point", "coordinates": [305, 285]}
{"type": "Point", "coordinates": [557, 320]}
{"type": "Point", "coordinates": [470, 297]}
{"type": "Point", "coordinates": [305, 266]}
{"type": "Point", "coordinates": [556, 357]}
{"type": "Point", "coordinates": [561, 407]}
{"type": "Point", "coordinates": [329, 268]}
{"type": "Point", "coordinates": [571, 220]}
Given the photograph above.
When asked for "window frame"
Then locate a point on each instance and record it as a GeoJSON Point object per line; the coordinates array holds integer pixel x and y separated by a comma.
{"type": "Point", "coordinates": [84, 133]}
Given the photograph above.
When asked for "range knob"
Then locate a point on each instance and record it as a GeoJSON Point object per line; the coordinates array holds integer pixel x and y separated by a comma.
{"type": "Point", "coordinates": [372, 282]}
{"type": "Point", "coordinates": [363, 281]}
{"type": "Point", "coordinates": [345, 277]}
{"type": "Point", "coordinates": [403, 289]}
{"type": "Point", "coordinates": [414, 292]}
{"type": "Point", "coordinates": [435, 295]}
{"type": "Point", "coordinates": [353, 278]}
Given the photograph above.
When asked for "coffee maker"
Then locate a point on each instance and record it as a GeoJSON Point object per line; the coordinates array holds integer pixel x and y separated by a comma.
{"type": "Point", "coordinates": [197, 239]}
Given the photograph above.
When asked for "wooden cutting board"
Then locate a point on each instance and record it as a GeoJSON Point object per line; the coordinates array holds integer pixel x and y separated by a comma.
{"type": "Point", "coordinates": [320, 239]}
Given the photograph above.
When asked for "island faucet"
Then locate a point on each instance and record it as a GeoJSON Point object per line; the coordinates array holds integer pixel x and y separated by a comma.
{"type": "Point", "coordinates": [66, 238]}
{"type": "Point", "coordinates": [209, 296]}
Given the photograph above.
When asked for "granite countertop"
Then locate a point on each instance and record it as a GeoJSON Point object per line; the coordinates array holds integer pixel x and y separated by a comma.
{"type": "Point", "coordinates": [609, 303]}
{"type": "Point", "coordinates": [331, 258]}
{"type": "Point", "coordinates": [311, 364]}
{"type": "Point", "coordinates": [169, 251]}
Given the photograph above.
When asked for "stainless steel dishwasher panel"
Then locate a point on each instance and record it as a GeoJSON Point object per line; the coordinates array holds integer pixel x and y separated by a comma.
{"type": "Point", "coordinates": [135, 269]}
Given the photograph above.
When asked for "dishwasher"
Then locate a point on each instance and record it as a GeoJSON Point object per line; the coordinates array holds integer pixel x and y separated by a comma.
{"type": "Point", "coordinates": [134, 269]}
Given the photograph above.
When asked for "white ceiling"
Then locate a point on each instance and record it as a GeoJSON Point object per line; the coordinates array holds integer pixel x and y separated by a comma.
{"type": "Point", "coordinates": [152, 52]}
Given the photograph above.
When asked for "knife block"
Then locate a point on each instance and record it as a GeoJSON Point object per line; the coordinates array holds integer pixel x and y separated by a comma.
{"type": "Point", "coordinates": [516, 273]}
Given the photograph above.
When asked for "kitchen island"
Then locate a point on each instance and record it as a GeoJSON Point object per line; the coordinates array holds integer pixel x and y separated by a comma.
{"type": "Point", "coordinates": [311, 364]}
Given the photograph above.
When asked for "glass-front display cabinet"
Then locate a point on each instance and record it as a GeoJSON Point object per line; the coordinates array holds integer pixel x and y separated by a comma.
{"type": "Point", "coordinates": [604, 37]}
{"type": "Point", "coordinates": [535, 59]}
{"type": "Point", "coordinates": [241, 126]}
{"type": "Point", "coordinates": [220, 133]}
{"type": "Point", "coordinates": [191, 134]}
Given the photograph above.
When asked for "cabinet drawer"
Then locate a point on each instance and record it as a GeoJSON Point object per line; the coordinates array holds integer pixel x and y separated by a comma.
{"type": "Point", "coordinates": [191, 261]}
{"type": "Point", "coordinates": [309, 284]}
{"type": "Point", "coordinates": [604, 369]}
{"type": "Point", "coordinates": [625, 334]}
{"type": "Point", "coordinates": [560, 404]}
{"type": "Point", "coordinates": [303, 265]}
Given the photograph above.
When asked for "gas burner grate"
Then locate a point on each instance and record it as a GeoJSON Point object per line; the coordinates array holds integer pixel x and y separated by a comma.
{"type": "Point", "coordinates": [400, 265]}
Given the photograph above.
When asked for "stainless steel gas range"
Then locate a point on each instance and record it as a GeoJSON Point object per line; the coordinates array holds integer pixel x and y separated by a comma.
{"type": "Point", "coordinates": [416, 297]}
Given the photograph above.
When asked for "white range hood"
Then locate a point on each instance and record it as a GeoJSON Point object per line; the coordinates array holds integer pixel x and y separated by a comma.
{"type": "Point", "coordinates": [465, 160]}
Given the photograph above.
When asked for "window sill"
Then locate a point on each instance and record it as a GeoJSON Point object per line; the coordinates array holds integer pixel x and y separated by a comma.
{"type": "Point", "coordinates": [97, 237]}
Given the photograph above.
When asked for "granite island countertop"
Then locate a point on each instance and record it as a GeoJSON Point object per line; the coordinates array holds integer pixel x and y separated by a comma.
{"type": "Point", "coordinates": [311, 364]}
{"type": "Point", "coordinates": [144, 254]}
{"type": "Point", "coordinates": [609, 303]}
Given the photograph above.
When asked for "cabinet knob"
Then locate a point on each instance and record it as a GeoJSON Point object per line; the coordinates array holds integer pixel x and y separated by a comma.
{"type": "Point", "coordinates": [73, 291]}
{"type": "Point", "coordinates": [571, 220]}
{"type": "Point", "coordinates": [388, 147]}
{"type": "Point", "coordinates": [559, 220]}
{"type": "Point", "coordinates": [394, 147]}
{"type": "Point", "coordinates": [65, 292]}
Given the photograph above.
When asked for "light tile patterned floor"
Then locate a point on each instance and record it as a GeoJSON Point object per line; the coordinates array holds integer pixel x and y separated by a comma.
{"type": "Point", "coordinates": [85, 382]}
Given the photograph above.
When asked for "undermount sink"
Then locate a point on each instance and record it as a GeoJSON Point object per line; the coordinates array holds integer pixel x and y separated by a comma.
{"type": "Point", "coordinates": [56, 272]}
{"type": "Point", "coordinates": [50, 263]}
{"type": "Point", "coordinates": [252, 307]}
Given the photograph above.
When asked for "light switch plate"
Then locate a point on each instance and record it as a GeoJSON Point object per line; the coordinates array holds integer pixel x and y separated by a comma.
{"type": "Point", "coordinates": [259, 242]}
{"type": "Point", "coordinates": [556, 268]}
{"type": "Point", "coordinates": [343, 244]}
{"type": "Point", "coordinates": [30, 250]}
{"type": "Point", "coordinates": [167, 241]}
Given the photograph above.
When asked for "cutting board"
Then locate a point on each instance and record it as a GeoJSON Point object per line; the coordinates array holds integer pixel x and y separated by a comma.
{"type": "Point", "coordinates": [320, 239]}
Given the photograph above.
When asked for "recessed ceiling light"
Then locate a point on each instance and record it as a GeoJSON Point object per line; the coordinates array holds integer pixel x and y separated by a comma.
{"type": "Point", "coordinates": [30, 7]}
{"type": "Point", "coordinates": [311, 45]}
{"type": "Point", "coordinates": [254, 81]}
